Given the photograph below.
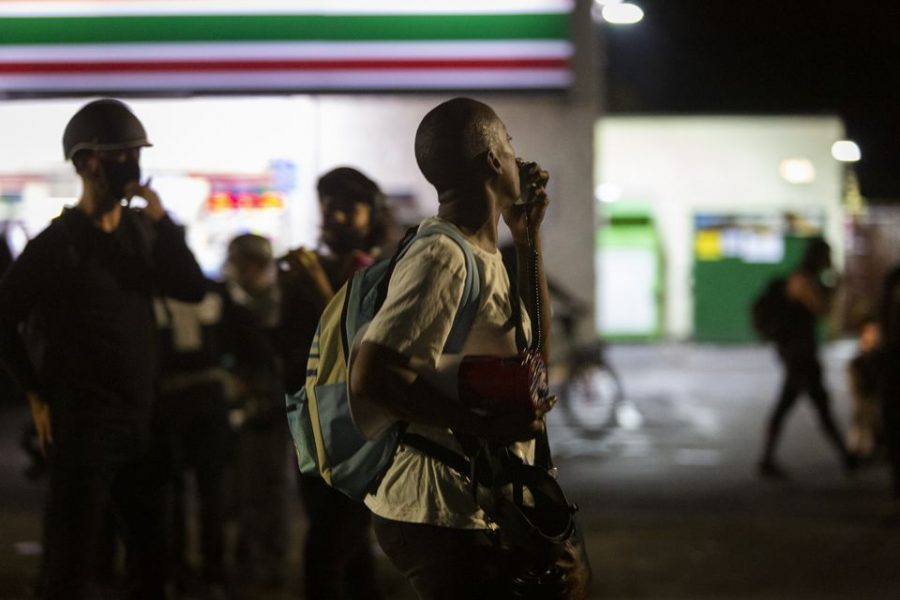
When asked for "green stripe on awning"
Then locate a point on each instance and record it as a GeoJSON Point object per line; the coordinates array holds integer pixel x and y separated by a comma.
{"type": "Point", "coordinates": [242, 28]}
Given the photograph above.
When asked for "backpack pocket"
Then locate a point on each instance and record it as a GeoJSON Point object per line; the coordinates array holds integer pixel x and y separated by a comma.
{"type": "Point", "coordinates": [300, 424]}
{"type": "Point", "coordinates": [348, 461]}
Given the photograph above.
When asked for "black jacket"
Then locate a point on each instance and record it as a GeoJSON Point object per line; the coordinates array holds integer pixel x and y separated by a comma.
{"type": "Point", "coordinates": [83, 299]}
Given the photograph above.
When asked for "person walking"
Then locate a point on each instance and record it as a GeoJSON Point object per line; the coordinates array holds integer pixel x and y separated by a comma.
{"type": "Point", "coordinates": [807, 296]}
{"type": "Point", "coordinates": [83, 288]}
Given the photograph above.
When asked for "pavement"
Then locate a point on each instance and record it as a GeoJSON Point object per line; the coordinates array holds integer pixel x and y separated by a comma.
{"type": "Point", "coordinates": [669, 500]}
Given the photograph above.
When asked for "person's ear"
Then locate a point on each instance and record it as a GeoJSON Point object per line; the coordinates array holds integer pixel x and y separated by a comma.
{"type": "Point", "coordinates": [86, 164]}
{"type": "Point", "coordinates": [493, 163]}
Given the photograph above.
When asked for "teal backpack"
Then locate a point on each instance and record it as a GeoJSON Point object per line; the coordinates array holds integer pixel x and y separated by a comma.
{"type": "Point", "coordinates": [327, 442]}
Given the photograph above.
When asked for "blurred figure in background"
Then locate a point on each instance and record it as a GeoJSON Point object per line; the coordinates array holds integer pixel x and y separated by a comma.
{"type": "Point", "coordinates": [864, 374]}
{"type": "Point", "coordinates": [251, 281]}
{"type": "Point", "coordinates": [890, 383]}
{"type": "Point", "coordinates": [338, 560]}
{"type": "Point", "coordinates": [202, 346]}
{"type": "Point", "coordinates": [84, 289]}
{"type": "Point", "coordinates": [809, 296]}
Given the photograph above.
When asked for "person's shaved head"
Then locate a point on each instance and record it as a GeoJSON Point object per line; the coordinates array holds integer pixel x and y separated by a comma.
{"type": "Point", "coordinates": [450, 137]}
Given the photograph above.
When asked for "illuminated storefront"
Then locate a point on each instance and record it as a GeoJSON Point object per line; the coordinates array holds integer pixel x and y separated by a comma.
{"type": "Point", "coordinates": [247, 103]}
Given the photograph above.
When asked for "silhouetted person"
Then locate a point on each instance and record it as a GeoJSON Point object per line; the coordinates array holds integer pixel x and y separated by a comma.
{"type": "Point", "coordinates": [425, 517]}
{"type": "Point", "coordinates": [808, 297]}
{"type": "Point", "coordinates": [85, 284]}
{"type": "Point", "coordinates": [262, 453]}
{"type": "Point", "coordinates": [338, 560]}
{"type": "Point", "coordinates": [890, 384]}
{"type": "Point", "coordinates": [202, 347]}
{"type": "Point", "coordinates": [864, 376]}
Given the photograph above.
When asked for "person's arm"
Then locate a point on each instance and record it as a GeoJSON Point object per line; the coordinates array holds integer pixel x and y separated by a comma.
{"type": "Point", "coordinates": [28, 279]}
{"type": "Point", "coordinates": [408, 334]}
{"type": "Point", "coordinates": [815, 297]}
{"type": "Point", "coordinates": [175, 270]}
{"type": "Point", "coordinates": [385, 378]}
{"type": "Point", "coordinates": [524, 222]}
{"type": "Point", "coordinates": [301, 272]}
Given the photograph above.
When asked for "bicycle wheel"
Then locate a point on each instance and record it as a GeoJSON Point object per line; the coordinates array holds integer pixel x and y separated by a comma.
{"type": "Point", "coordinates": [589, 398]}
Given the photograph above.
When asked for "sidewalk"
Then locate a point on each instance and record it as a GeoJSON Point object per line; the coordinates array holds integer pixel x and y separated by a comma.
{"type": "Point", "coordinates": [671, 509]}
{"type": "Point", "coordinates": [674, 511]}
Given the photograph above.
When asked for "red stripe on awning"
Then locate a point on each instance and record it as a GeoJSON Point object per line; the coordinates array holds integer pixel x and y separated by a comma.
{"type": "Point", "coordinates": [281, 65]}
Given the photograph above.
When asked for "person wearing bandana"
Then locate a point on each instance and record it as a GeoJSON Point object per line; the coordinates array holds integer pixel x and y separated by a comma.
{"type": "Point", "coordinates": [77, 332]}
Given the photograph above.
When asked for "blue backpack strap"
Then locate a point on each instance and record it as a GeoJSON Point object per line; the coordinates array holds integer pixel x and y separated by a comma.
{"type": "Point", "coordinates": [468, 305]}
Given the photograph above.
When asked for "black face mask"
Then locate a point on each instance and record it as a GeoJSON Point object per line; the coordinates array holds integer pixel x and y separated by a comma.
{"type": "Point", "coordinates": [342, 239]}
{"type": "Point", "coordinates": [116, 175]}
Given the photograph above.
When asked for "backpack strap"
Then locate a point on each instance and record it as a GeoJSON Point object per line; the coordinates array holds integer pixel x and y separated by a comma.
{"type": "Point", "coordinates": [468, 306]}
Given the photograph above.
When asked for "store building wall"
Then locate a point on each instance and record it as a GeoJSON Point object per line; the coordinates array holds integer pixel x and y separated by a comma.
{"type": "Point", "coordinates": [684, 166]}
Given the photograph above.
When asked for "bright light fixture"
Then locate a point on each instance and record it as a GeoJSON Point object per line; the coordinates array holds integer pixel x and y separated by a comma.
{"type": "Point", "coordinates": [797, 170]}
{"type": "Point", "coordinates": [608, 192]}
{"type": "Point", "coordinates": [846, 151]}
{"type": "Point", "coordinates": [622, 13]}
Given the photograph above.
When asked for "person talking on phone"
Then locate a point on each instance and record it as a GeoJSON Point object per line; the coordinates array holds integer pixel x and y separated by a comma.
{"type": "Point", "coordinates": [81, 292]}
{"type": "Point", "coordinates": [424, 514]}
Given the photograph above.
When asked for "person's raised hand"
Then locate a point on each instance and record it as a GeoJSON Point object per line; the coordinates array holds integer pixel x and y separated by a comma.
{"type": "Point", "coordinates": [40, 414]}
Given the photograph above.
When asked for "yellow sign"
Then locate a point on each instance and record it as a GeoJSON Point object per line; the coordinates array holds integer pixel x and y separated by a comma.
{"type": "Point", "coordinates": [708, 245]}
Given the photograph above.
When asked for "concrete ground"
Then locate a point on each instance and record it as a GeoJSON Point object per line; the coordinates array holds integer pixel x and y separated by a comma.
{"type": "Point", "coordinates": [670, 503]}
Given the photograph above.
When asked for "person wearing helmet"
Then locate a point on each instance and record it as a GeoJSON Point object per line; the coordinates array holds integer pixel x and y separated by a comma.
{"type": "Point", "coordinates": [338, 561]}
{"type": "Point", "coordinates": [83, 288]}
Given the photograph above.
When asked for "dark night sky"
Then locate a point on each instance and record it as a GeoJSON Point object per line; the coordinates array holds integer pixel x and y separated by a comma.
{"type": "Point", "coordinates": [787, 56]}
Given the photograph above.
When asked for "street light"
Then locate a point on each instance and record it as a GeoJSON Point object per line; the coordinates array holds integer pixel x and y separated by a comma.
{"type": "Point", "coordinates": [617, 12]}
{"type": "Point", "coordinates": [846, 151]}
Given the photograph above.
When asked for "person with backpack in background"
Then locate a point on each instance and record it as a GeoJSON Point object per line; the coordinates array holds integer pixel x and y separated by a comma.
{"type": "Point", "coordinates": [428, 515]}
{"type": "Point", "coordinates": [338, 561]}
{"type": "Point", "coordinates": [806, 296]}
{"type": "Point", "coordinates": [84, 288]}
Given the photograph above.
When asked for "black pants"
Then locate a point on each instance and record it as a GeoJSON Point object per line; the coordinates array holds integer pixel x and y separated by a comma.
{"type": "Point", "coordinates": [262, 486]}
{"type": "Point", "coordinates": [443, 563]}
{"type": "Point", "coordinates": [78, 498]}
{"type": "Point", "coordinates": [338, 561]}
{"type": "Point", "coordinates": [802, 373]}
{"type": "Point", "coordinates": [198, 430]}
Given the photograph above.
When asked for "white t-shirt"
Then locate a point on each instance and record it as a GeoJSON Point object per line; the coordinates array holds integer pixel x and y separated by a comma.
{"type": "Point", "coordinates": [415, 320]}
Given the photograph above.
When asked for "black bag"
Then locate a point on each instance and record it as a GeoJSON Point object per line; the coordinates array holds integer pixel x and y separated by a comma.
{"type": "Point", "coordinates": [536, 527]}
{"type": "Point", "coordinates": [770, 310]}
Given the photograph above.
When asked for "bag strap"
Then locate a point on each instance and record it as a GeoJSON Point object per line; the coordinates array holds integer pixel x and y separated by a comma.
{"type": "Point", "coordinates": [405, 243]}
{"type": "Point", "coordinates": [468, 306]}
{"type": "Point", "coordinates": [542, 455]}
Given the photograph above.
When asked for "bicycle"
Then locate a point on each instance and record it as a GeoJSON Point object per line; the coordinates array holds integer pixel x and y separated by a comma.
{"type": "Point", "coordinates": [590, 390]}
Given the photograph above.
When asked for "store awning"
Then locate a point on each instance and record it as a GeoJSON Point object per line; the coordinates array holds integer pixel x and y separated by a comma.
{"type": "Point", "coordinates": [152, 46]}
